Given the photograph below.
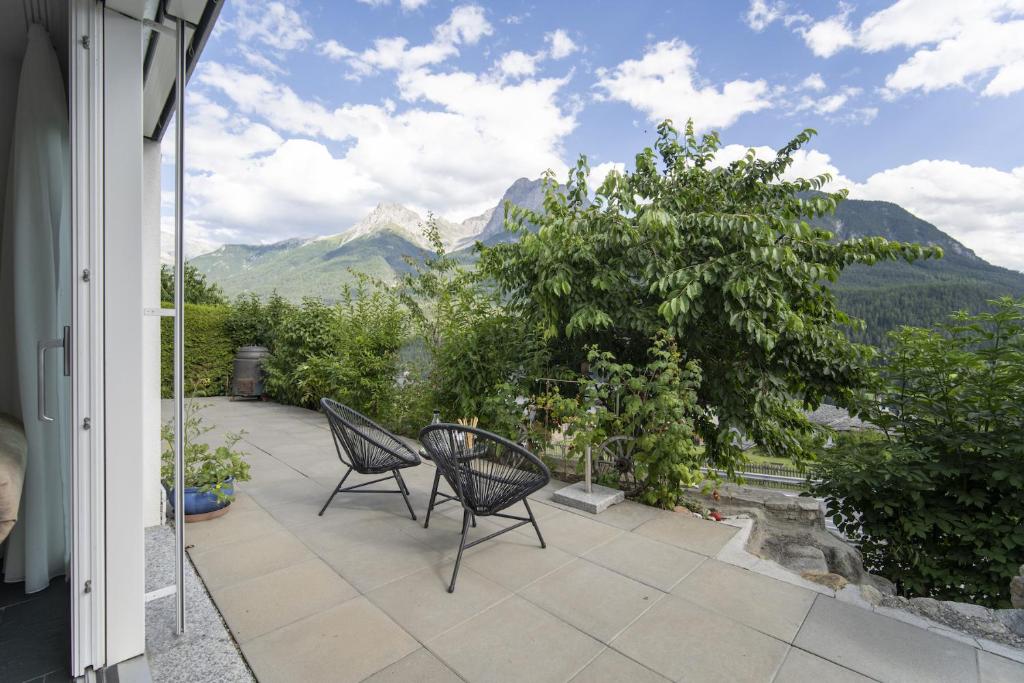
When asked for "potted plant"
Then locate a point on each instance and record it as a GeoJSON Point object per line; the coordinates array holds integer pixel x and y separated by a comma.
{"type": "Point", "coordinates": [210, 473]}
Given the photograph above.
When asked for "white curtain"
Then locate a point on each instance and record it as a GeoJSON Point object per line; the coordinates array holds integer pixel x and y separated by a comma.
{"type": "Point", "coordinates": [34, 271]}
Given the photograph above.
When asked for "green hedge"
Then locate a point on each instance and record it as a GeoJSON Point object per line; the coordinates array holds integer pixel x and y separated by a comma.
{"type": "Point", "coordinates": [209, 351]}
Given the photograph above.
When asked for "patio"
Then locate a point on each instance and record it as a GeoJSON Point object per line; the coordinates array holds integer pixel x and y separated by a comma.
{"type": "Point", "coordinates": [633, 594]}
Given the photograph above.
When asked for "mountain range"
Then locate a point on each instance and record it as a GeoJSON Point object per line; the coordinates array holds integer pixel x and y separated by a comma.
{"type": "Point", "coordinates": [885, 295]}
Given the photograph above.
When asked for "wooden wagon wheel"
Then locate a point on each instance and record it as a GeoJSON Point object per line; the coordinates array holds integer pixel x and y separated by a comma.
{"type": "Point", "coordinates": [613, 462]}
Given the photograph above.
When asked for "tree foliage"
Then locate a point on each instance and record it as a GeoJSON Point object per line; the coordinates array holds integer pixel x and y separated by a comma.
{"type": "Point", "coordinates": [937, 506]}
{"type": "Point", "coordinates": [479, 354]}
{"type": "Point", "coordinates": [347, 351]}
{"type": "Point", "coordinates": [720, 256]}
{"type": "Point", "coordinates": [197, 289]}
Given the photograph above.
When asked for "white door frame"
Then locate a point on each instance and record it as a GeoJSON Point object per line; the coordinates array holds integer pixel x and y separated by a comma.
{"type": "Point", "coordinates": [88, 570]}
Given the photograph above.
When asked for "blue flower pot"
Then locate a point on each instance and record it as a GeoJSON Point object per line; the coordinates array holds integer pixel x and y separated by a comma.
{"type": "Point", "coordinates": [200, 502]}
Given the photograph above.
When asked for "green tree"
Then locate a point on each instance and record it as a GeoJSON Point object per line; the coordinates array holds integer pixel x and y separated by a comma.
{"type": "Point", "coordinates": [347, 351]}
{"type": "Point", "coordinates": [480, 354]}
{"type": "Point", "coordinates": [720, 256]}
{"type": "Point", "coordinates": [936, 507]}
{"type": "Point", "coordinates": [197, 289]}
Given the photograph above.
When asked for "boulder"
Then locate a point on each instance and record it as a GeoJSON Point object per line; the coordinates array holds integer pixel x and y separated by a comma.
{"type": "Point", "coordinates": [805, 558]}
{"type": "Point", "coordinates": [1017, 590]}
{"type": "Point", "coordinates": [827, 579]}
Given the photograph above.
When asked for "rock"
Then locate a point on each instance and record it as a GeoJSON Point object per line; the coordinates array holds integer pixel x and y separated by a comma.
{"type": "Point", "coordinates": [1013, 619]}
{"type": "Point", "coordinates": [827, 579]}
{"type": "Point", "coordinates": [927, 607]}
{"type": "Point", "coordinates": [805, 558]}
{"type": "Point", "coordinates": [871, 594]}
{"type": "Point", "coordinates": [1017, 590]}
{"type": "Point", "coordinates": [968, 610]}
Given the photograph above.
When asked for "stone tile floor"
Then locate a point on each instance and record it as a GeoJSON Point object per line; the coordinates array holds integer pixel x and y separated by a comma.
{"type": "Point", "coordinates": [632, 594]}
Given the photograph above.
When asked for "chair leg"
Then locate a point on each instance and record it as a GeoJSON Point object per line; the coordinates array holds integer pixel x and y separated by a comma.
{"type": "Point", "coordinates": [462, 546]}
{"type": "Point", "coordinates": [401, 480]}
{"type": "Point", "coordinates": [405, 496]}
{"type": "Point", "coordinates": [534, 520]}
{"type": "Point", "coordinates": [433, 496]}
{"type": "Point", "coordinates": [335, 492]}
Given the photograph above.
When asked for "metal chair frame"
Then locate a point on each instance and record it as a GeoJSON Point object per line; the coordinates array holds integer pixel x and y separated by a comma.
{"type": "Point", "coordinates": [456, 469]}
{"type": "Point", "coordinates": [389, 459]}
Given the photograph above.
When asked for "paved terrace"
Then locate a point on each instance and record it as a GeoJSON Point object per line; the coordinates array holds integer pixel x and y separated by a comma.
{"type": "Point", "coordinates": [633, 594]}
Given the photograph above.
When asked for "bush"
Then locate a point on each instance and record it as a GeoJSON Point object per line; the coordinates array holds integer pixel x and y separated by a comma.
{"type": "Point", "coordinates": [209, 351]}
{"type": "Point", "coordinates": [480, 356]}
{"type": "Point", "coordinates": [936, 507]}
{"type": "Point", "coordinates": [654, 404]}
{"type": "Point", "coordinates": [254, 323]}
{"type": "Point", "coordinates": [347, 352]}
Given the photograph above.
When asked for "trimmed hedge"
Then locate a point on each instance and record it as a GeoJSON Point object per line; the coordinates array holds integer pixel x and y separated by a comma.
{"type": "Point", "coordinates": [209, 351]}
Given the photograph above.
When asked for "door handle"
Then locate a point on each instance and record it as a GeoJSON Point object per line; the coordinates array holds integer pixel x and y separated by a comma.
{"type": "Point", "coordinates": [42, 347]}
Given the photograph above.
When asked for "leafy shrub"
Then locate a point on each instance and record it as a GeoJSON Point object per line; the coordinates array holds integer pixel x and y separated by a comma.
{"type": "Point", "coordinates": [254, 323]}
{"type": "Point", "coordinates": [209, 351]}
{"type": "Point", "coordinates": [655, 404]}
{"type": "Point", "coordinates": [348, 352]}
{"type": "Point", "coordinates": [479, 354]}
{"type": "Point", "coordinates": [206, 468]}
{"type": "Point", "coordinates": [936, 506]}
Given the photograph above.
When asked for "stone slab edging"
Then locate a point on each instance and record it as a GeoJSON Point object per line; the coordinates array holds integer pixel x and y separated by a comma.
{"type": "Point", "coordinates": [735, 553]}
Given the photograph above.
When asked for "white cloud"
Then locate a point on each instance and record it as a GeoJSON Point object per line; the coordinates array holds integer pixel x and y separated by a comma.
{"type": "Point", "coordinates": [278, 165]}
{"type": "Point", "coordinates": [761, 13]}
{"type": "Point", "coordinates": [406, 5]}
{"type": "Point", "coordinates": [664, 84]}
{"type": "Point", "coordinates": [465, 26]}
{"type": "Point", "coordinates": [807, 163]}
{"type": "Point", "coordinates": [516, 64]}
{"type": "Point", "coordinates": [561, 44]}
{"type": "Point", "coordinates": [827, 104]}
{"type": "Point", "coordinates": [979, 206]}
{"type": "Point", "coordinates": [954, 43]}
{"type": "Point", "coordinates": [813, 82]}
{"type": "Point", "coordinates": [829, 36]}
{"type": "Point", "coordinates": [276, 24]}
{"type": "Point", "coordinates": [600, 172]}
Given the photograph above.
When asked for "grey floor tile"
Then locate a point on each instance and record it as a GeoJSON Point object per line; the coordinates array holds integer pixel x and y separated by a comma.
{"type": "Point", "coordinates": [761, 602]}
{"type": "Point", "coordinates": [595, 600]}
{"type": "Point", "coordinates": [881, 647]}
{"type": "Point", "coordinates": [995, 669]}
{"type": "Point", "coordinates": [803, 667]}
{"type": "Point", "coordinates": [652, 562]}
{"type": "Point", "coordinates": [683, 641]}
{"type": "Point", "coordinates": [422, 605]}
{"type": "Point", "coordinates": [242, 560]}
{"type": "Point", "coordinates": [572, 533]}
{"type": "Point", "coordinates": [346, 643]}
{"type": "Point", "coordinates": [266, 603]}
{"type": "Point", "coordinates": [684, 531]}
{"type": "Point", "coordinates": [614, 667]}
{"type": "Point", "coordinates": [421, 666]}
{"type": "Point", "coordinates": [514, 560]}
{"type": "Point", "coordinates": [515, 641]}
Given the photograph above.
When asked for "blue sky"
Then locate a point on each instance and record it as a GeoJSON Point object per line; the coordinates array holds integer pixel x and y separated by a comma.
{"type": "Point", "coordinates": [303, 115]}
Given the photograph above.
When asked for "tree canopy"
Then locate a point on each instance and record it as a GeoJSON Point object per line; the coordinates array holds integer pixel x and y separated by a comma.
{"type": "Point", "coordinates": [723, 259]}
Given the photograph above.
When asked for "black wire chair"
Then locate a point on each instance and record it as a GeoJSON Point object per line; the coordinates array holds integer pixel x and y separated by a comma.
{"type": "Point", "coordinates": [487, 473]}
{"type": "Point", "coordinates": [370, 448]}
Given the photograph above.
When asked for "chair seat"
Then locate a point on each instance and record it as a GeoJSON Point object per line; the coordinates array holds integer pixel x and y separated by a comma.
{"type": "Point", "coordinates": [487, 494]}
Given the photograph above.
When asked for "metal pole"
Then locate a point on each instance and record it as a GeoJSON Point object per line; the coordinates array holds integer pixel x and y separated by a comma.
{"type": "Point", "coordinates": [179, 326]}
{"type": "Point", "coordinates": [587, 476]}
